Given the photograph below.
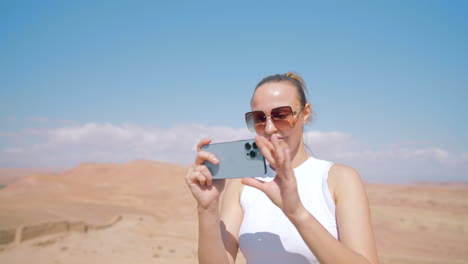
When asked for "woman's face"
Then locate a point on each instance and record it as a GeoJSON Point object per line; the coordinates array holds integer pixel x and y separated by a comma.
{"type": "Point", "coordinates": [276, 94]}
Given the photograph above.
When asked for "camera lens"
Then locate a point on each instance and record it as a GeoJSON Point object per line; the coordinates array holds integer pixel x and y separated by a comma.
{"type": "Point", "coordinates": [247, 146]}
{"type": "Point", "coordinates": [254, 145]}
{"type": "Point", "coordinates": [253, 154]}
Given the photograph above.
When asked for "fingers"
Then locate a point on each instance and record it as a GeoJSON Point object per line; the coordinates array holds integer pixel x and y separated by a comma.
{"type": "Point", "coordinates": [202, 142]}
{"type": "Point", "coordinates": [266, 148]}
{"type": "Point", "coordinates": [275, 151]}
{"type": "Point", "coordinates": [287, 159]}
{"type": "Point", "coordinates": [279, 150]}
{"type": "Point", "coordinates": [199, 174]}
{"type": "Point", "coordinates": [207, 174]}
{"type": "Point", "coordinates": [202, 155]}
{"type": "Point", "coordinates": [252, 182]}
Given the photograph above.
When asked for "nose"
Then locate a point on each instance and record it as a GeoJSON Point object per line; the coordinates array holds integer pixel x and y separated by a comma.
{"type": "Point", "coordinates": [270, 127]}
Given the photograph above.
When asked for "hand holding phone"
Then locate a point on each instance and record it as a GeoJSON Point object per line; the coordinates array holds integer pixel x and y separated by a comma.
{"type": "Point", "coordinates": [237, 159]}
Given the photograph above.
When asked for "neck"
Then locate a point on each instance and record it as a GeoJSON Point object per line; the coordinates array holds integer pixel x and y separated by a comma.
{"type": "Point", "coordinates": [299, 156]}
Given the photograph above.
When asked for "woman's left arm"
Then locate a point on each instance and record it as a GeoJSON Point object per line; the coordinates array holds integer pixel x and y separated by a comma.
{"type": "Point", "coordinates": [356, 242]}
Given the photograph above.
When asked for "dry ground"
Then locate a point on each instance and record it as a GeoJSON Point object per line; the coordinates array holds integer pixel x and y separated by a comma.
{"type": "Point", "coordinates": [425, 223]}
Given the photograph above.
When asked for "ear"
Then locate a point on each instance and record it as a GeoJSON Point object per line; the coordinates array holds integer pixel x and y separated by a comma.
{"type": "Point", "coordinates": [307, 113]}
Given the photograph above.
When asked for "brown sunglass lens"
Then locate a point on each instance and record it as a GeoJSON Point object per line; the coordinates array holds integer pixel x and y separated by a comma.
{"type": "Point", "coordinates": [282, 116]}
{"type": "Point", "coordinates": [258, 117]}
{"type": "Point", "coordinates": [281, 113]}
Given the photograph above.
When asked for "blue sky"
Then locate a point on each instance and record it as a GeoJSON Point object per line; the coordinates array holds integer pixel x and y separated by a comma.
{"type": "Point", "coordinates": [389, 76]}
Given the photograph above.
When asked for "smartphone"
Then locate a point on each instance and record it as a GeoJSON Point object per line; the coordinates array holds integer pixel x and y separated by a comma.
{"type": "Point", "coordinates": [237, 159]}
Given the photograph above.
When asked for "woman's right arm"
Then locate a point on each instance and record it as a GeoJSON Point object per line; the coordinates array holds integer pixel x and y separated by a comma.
{"type": "Point", "coordinates": [216, 244]}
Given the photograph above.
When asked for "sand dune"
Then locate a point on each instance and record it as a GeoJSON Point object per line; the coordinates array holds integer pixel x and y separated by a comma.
{"type": "Point", "coordinates": [10, 175]}
{"type": "Point", "coordinates": [142, 212]}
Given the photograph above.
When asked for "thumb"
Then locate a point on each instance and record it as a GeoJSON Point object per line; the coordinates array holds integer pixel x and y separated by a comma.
{"type": "Point", "coordinates": [252, 182]}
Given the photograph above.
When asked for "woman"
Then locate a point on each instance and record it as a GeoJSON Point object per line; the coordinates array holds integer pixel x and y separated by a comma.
{"type": "Point", "coordinates": [313, 211]}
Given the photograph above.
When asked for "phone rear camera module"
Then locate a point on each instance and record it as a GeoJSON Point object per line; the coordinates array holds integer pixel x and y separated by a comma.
{"type": "Point", "coordinates": [254, 145]}
{"type": "Point", "coordinates": [253, 154]}
{"type": "Point", "coordinates": [248, 146]}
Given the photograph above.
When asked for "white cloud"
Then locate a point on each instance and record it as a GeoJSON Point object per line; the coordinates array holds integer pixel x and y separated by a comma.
{"type": "Point", "coordinates": [394, 163]}
{"type": "Point", "coordinates": [106, 142]}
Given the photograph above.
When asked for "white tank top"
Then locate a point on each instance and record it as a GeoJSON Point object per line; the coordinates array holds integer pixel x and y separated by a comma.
{"type": "Point", "coordinates": [266, 234]}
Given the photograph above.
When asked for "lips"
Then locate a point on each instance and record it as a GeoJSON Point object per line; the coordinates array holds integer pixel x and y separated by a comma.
{"type": "Point", "coordinates": [278, 137]}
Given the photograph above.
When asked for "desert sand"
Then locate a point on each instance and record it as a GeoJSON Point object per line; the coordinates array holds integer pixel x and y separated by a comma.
{"type": "Point", "coordinates": [142, 212]}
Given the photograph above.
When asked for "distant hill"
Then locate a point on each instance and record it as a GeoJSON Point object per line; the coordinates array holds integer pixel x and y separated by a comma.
{"type": "Point", "coordinates": [413, 223]}
{"type": "Point", "coordinates": [9, 175]}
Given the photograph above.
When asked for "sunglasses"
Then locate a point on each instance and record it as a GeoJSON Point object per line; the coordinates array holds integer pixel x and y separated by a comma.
{"type": "Point", "coordinates": [283, 118]}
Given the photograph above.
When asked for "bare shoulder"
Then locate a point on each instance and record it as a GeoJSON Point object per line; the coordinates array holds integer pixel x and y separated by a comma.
{"type": "Point", "coordinates": [343, 180]}
{"type": "Point", "coordinates": [352, 211]}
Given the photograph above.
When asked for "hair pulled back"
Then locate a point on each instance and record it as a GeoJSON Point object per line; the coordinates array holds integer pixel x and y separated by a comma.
{"type": "Point", "coordinates": [292, 78]}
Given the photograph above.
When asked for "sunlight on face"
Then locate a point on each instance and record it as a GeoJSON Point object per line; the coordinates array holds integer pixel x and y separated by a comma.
{"type": "Point", "coordinates": [275, 94]}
